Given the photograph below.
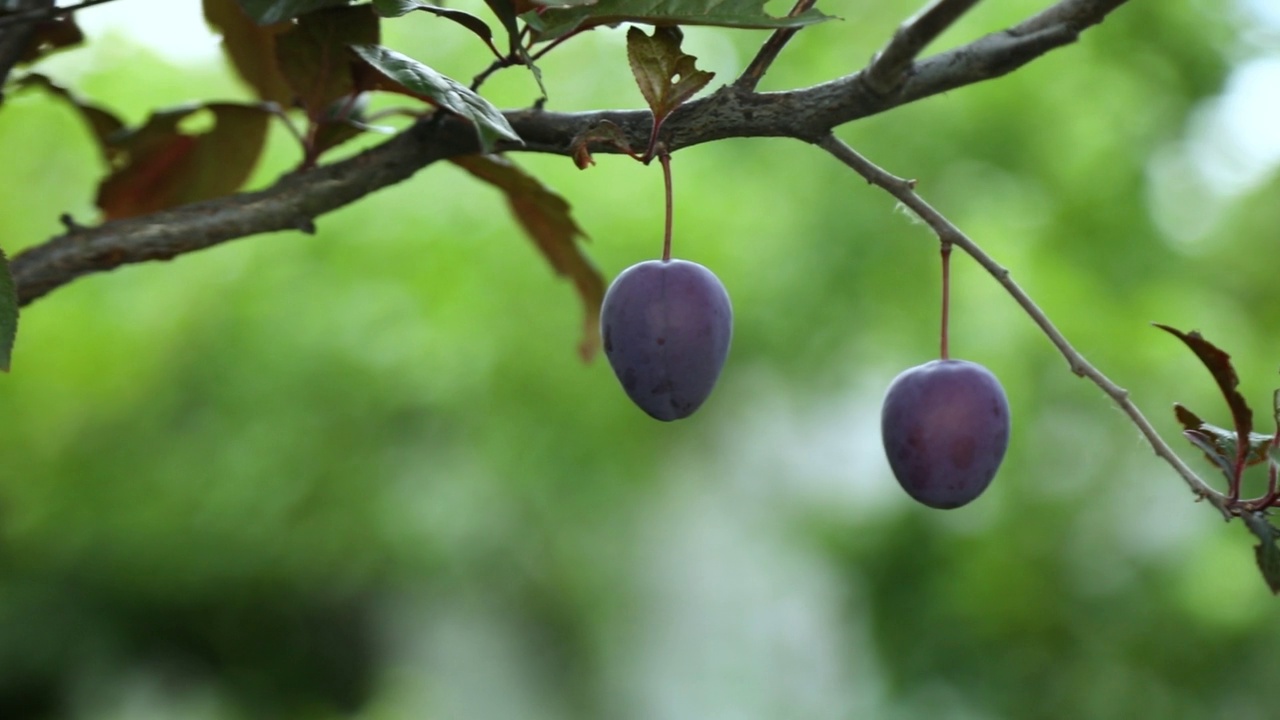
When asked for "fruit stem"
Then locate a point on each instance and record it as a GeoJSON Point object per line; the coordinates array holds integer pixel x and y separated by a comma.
{"type": "Point", "coordinates": [665, 159]}
{"type": "Point", "coordinates": [946, 297]}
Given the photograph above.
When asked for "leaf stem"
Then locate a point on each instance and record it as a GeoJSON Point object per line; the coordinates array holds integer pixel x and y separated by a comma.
{"type": "Point", "coordinates": [946, 297]}
{"type": "Point", "coordinates": [665, 158]}
{"type": "Point", "coordinates": [904, 191]}
{"type": "Point", "coordinates": [770, 50]}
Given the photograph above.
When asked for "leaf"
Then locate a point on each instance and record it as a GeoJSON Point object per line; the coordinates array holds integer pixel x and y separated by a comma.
{"type": "Point", "coordinates": [251, 48]}
{"type": "Point", "coordinates": [401, 73]}
{"type": "Point", "coordinates": [342, 122]}
{"type": "Point", "coordinates": [396, 8]}
{"type": "Point", "coordinates": [51, 35]}
{"type": "Point", "coordinates": [1219, 364]}
{"type": "Point", "coordinates": [557, 22]}
{"type": "Point", "coordinates": [8, 313]}
{"type": "Point", "coordinates": [267, 12]}
{"type": "Point", "coordinates": [1266, 552]}
{"type": "Point", "coordinates": [1219, 444]}
{"type": "Point", "coordinates": [505, 10]}
{"type": "Point", "coordinates": [667, 77]}
{"type": "Point", "coordinates": [604, 132]}
{"type": "Point", "coordinates": [545, 217]}
{"type": "Point", "coordinates": [161, 166]}
{"type": "Point", "coordinates": [313, 58]}
{"type": "Point", "coordinates": [102, 123]}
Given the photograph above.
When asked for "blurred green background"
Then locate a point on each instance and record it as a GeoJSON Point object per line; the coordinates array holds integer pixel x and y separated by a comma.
{"type": "Point", "coordinates": [364, 473]}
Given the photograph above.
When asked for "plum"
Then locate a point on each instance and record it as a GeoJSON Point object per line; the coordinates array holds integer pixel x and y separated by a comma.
{"type": "Point", "coordinates": [666, 326]}
{"type": "Point", "coordinates": [945, 426]}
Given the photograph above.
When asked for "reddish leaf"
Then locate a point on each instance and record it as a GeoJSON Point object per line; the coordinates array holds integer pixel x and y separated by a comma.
{"type": "Point", "coordinates": [601, 133]}
{"type": "Point", "coordinates": [343, 121]}
{"type": "Point", "coordinates": [1219, 444]}
{"type": "Point", "coordinates": [267, 12]}
{"type": "Point", "coordinates": [251, 48]}
{"type": "Point", "coordinates": [313, 55]}
{"type": "Point", "coordinates": [1219, 364]}
{"type": "Point", "coordinates": [667, 77]}
{"type": "Point", "coordinates": [545, 217]}
{"type": "Point", "coordinates": [161, 166]}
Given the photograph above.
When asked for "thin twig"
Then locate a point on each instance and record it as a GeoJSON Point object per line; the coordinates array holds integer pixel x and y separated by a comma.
{"type": "Point", "coordinates": [46, 13]}
{"type": "Point", "coordinates": [889, 67]}
{"type": "Point", "coordinates": [770, 49]}
{"type": "Point", "coordinates": [904, 191]}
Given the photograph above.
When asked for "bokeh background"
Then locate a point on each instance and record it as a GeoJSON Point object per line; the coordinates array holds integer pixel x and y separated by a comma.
{"type": "Point", "coordinates": [365, 474]}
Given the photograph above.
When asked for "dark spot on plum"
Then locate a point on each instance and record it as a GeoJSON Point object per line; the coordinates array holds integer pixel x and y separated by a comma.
{"type": "Point", "coordinates": [962, 451]}
{"type": "Point", "coordinates": [608, 338]}
{"type": "Point", "coordinates": [662, 341]}
{"type": "Point", "coordinates": [629, 379]}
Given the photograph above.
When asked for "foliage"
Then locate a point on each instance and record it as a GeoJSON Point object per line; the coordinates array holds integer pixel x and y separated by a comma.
{"type": "Point", "coordinates": [297, 475]}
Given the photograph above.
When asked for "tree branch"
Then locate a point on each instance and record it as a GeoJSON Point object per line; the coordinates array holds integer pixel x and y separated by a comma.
{"type": "Point", "coordinates": [904, 191]}
{"type": "Point", "coordinates": [769, 51]}
{"type": "Point", "coordinates": [890, 66]}
{"type": "Point", "coordinates": [296, 200]}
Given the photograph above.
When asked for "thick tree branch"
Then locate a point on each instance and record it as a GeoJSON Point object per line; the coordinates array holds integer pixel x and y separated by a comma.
{"type": "Point", "coordinates": [296, 200]}
{"type": "Point", "coordinates": [904, 191]}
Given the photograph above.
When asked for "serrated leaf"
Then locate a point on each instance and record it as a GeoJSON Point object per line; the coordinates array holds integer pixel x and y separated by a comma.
{"type": "Point", "coordinates": [1265, 552]}
{"type": "Point", "coordinates": [545, 216]}
{"type": "Point", "coordinates": [1219, 365]}
{"type": "Point", "coordinates": [8, 313]}
{"type": "Point", "coordinates": [1219, 444]}
{"type": "Point", "coordinates": [162, 166]}
{"type": "Point", "coordinates": [401, 73]}
{"type": "Point", "coordinates": [397, 8]}
{"type": "Point", "coordinates": [267, 12]}
{"type": "Point", "coordinates": [313, 58]}
{"type": "Point", "coordinates": [557, 22]}
{"type": "Point", "coordinates": [667, 77]}
{"type": "Point", "coordinates": [250, 48]}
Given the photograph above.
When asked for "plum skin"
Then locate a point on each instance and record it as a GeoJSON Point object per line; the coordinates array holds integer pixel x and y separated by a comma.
{"type": "Point", "coordinates": [666, 328]}
{"type": "Point", "coordinates": [945, 427]}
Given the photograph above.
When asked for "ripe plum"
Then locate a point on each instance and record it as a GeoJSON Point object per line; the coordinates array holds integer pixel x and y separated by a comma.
{"type": "Point", "coordinates": [666, 326]}
{"type": "Point", "coordinates": [945, 426]}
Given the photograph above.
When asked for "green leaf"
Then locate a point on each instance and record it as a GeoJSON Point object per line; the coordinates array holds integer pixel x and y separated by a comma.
{"type": "Point", "coordinates": [161, 165]}
{"type": "Point", "coordinates": [667, 77]}
{"type": "Point", "coordinates": [312, 56]}
{"type": "Point", "coordinates": [8, 313]}
{"type": "Point", "coordinates": [545, 216]}
{"type": "Point", "coordinates": [1266, 552]}
{"type": "Point", "coordinates": [396, 8]}
{"type": "Point", "coordinates": [1219, 444]}
{"type": "Point", "coordinates": [266, 12]}
{"type": "Point", "coordinates": [251, 49]}
{"type": "Point", "coordinates": [1219, 364]}
{"type": "Point", "coordinates": [401, 73]}
{"type": "Point", "coordinates": [557, 22]}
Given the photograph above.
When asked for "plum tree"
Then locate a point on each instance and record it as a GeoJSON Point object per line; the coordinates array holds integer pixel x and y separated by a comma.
{"type": "Point", "coordinates": [945, 426]}
{"type": "Point", "coordinates": [666, 327]}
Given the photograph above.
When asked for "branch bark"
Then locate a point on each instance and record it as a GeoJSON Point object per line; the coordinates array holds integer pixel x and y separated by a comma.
{"type": "Point", "coordinates": [904, 192]}
{"type": "Point", "coordinates": [295, 201]}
